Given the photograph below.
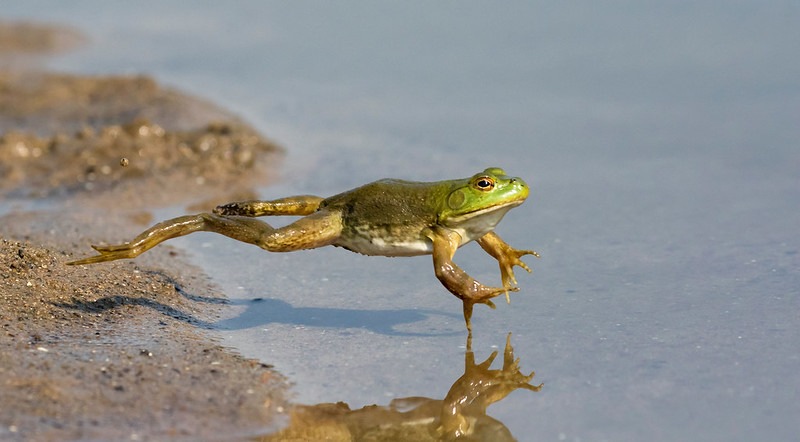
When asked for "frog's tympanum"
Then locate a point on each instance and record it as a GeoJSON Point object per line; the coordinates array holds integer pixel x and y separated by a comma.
{"type": "Point", "coordinates": [388, 217]}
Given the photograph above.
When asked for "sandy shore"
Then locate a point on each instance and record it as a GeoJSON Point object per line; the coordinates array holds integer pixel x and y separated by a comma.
{"type": "Point", "coordinates": [119, 350]}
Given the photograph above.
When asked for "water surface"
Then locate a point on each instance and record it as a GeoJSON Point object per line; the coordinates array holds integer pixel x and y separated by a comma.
{"type": "Point", "coordinates": [660, 141]}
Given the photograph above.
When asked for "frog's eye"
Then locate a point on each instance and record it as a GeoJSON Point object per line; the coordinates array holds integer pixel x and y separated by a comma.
{"type": "Point", "coordinates": [484, 183]}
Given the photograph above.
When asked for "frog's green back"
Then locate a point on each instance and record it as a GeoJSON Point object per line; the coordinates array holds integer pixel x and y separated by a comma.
{"type": "Point", "coordinates": [389, 202]}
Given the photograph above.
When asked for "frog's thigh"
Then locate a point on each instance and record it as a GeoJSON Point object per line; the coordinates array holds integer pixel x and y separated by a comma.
{"type": "Point", "coordinates": [316, 230]}
{"type": "Point", "coordinates": [240, 228]}
{"type": "Point", "coordinates": [319, 229]}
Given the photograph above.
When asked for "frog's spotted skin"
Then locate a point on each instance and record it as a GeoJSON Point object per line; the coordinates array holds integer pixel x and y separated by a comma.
{"type": "Point", "coordinates": [388, 217]}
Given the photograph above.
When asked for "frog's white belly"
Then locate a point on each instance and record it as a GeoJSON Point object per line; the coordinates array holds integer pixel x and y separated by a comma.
{"type": "Point", "coordinates": [375, 245]}
{"type": "Point", "coordinates": [381, 247]}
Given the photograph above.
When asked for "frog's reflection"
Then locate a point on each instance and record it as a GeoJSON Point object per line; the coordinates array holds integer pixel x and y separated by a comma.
{"type": "Point", "coordinates": [460, 415]}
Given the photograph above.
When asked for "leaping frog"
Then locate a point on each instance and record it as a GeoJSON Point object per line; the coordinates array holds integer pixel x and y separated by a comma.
{"type": "Point", "coordinates": [388, 217]}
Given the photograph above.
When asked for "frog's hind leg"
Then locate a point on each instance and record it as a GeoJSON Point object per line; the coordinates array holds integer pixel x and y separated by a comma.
{"type": "Point", "coordinates": [294, 206]}
{"type": "Point", "coordinates": [312, 231]}
{"type": "Point", "coordinates": [173, 228]}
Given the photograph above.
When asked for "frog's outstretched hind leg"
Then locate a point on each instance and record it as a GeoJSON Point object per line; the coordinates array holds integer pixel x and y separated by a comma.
{"type": "Point", "coordinates": [247, 230]}
{"type": "Point", "coordinates": [316, 230]}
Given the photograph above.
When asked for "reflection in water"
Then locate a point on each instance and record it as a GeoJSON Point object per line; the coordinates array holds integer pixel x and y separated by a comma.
{"type": "Point", "coordinates": [460, 415]}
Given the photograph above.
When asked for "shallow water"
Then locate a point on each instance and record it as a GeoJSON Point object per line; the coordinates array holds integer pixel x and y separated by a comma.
{"type": "Point", "coordinates": [660, 143]}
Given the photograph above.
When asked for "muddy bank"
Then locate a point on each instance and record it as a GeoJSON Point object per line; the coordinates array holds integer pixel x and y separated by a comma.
{"type": "Point", "coordinates": [115, 351]}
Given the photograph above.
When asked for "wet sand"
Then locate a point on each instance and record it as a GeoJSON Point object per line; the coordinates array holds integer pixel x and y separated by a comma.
{"type": "Point", "coordinates": [115, 351]}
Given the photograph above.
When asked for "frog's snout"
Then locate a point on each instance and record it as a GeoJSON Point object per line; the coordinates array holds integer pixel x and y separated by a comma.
{"type": "Point", "coordinates": [520, 185]}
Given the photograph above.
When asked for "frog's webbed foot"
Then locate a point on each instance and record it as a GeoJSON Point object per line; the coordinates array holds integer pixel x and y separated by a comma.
{"type": "Point", "coordinates": [110, 253]}
{"type": "Point", "coordinates": [507, 263]}
{"type": "Point", "coordinates": [507, 257]}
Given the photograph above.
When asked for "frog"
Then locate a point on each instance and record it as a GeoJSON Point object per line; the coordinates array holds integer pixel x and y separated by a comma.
{"type": "Point", "coordinates": [388, 217]}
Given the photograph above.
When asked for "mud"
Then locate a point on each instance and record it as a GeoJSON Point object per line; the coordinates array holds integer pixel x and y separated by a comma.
{"type": "Point", "coordinates": [116, 351]}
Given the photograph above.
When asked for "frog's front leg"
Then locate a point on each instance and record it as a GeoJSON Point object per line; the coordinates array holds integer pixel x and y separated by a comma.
{"type": "Point", "coordinates": [456, 280]}
{"type": "Point", "coordinates": [293, 206]}
{"type": "Point", "coordinates": [316, 230]}
{"type": "Point", "coordinates": [507, 257]}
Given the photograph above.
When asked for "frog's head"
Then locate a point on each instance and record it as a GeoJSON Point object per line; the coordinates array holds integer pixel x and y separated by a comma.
{"type": "Point", "coordinates": [480, 202]}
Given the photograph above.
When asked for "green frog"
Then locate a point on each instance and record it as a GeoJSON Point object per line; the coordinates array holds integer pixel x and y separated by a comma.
{"type": "Point", "coordinates": [388, 217]}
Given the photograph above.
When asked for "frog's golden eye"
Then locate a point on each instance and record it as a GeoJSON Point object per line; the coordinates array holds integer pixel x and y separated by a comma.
{"type": "Point", "coordinates": [484, 183]}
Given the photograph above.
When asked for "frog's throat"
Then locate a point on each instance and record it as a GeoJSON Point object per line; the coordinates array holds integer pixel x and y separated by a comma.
{"type": "Point", "coordinates": [501, 209]}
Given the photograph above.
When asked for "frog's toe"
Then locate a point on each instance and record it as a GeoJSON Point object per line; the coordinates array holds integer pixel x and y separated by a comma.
{"type": "Point", "coordinates": [519, 254]}
{"type": "Point", "coordinates": [530, 252]}
{"type": "Point", "coordinates": [103, 257]}
{"type": "Point", "coordinates": [510, 280]}
{"type": "Point", "coordinates": [491, 292]}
